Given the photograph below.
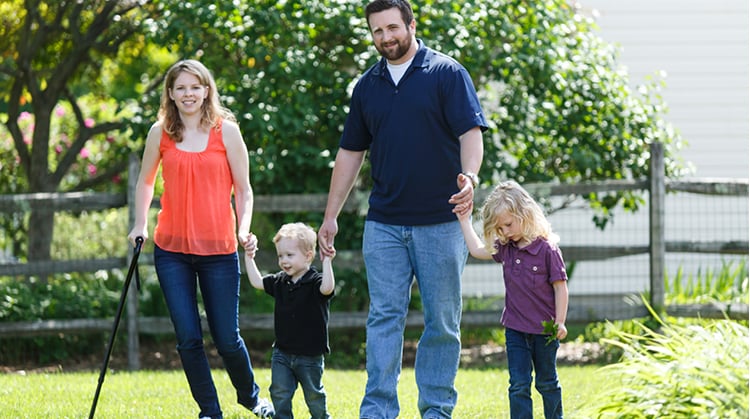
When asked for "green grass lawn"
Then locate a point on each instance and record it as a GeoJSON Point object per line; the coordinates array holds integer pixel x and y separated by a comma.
{"type": "Point", "coordinates": [164, 394]}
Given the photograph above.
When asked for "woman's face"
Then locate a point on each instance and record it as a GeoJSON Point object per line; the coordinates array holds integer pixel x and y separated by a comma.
{"type": "Point", "coordinates": [188, 93]}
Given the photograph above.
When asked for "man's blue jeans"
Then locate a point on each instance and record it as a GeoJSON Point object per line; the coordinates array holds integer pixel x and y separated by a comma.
{"type": "Point", "coordinates": [527, 351]}
{"type": "Point", "coordinates": [286, 371]}
{"type": "Point", "coordinates": [394, 255]}
{"type": "Point", "coordinates": [219, 280]}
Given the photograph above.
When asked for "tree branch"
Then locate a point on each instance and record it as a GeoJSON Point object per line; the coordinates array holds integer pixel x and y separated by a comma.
{"type": "Point", "coordinates": [103, 177]}
{"type": "Point", "coordinates": [84, 134]}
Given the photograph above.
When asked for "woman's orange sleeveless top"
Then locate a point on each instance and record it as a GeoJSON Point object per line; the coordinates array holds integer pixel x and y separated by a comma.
{"type": "Point", "coordinates": [196, 214]}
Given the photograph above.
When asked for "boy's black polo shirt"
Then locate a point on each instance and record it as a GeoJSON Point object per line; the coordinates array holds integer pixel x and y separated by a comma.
{"type": "Point", "coordinates": [300, 313]}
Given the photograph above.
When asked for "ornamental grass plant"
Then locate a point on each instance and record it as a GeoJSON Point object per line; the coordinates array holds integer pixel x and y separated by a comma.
{"type": "Point", "coordinates": [678, 371]}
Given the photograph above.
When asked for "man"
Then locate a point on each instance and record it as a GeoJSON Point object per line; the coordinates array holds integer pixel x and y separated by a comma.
{"type": "Point", "coordinates": [418, 114]}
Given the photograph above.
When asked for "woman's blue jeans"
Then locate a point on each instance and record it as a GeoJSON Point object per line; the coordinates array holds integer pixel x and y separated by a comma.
{"type": "Point", "coordinates": [528, 351]}
{"type": "Point", "coordinates": [219, 280]}
{"type": "Point", "coordinates": [394, 256]}
{"type": "Point", "coordinates": [286, 371]}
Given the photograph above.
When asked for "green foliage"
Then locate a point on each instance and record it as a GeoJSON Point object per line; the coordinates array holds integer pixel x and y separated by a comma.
{"type": "Point", "coordinates": [729, 284]}
{"type": "Point", "coordinates": [559, 103]}
{"type": "Point", "coordinates": [679, 371]}
{"type": "Point", "coordinates": [550, 329]}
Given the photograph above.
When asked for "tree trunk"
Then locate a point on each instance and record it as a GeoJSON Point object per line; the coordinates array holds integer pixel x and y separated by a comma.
{"type": "Point", "coordinates": [41, 225]}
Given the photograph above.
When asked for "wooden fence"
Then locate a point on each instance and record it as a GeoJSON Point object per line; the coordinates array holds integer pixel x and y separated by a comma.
{"type": "Point", "coordinates": [586, 308]}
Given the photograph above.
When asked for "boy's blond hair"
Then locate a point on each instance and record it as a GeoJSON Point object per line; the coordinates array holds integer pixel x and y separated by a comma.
{"type": "Point", "coordinates": [303, 233]}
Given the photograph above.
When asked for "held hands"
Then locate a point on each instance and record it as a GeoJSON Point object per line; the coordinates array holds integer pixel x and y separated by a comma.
{"type": "Point", "coordinates": [327, 257]}
{"type": "Point", "coordinates": [464, 198]}
{"type": "Point", "coordinates": [250, 244]}
{"type": "Point", "coordinates": [326, 235]}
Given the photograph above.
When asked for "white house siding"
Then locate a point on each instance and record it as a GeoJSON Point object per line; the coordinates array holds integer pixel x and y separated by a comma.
{"type": "Point", "coordinates": [702, 46]}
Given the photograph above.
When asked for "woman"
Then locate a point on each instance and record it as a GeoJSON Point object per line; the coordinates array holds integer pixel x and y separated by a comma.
{"type": "Point", "coordinates": [203, 160]}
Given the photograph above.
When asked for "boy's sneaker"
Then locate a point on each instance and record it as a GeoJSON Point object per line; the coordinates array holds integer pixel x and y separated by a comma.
{"type": "Point", "coordinates": [264, 409]}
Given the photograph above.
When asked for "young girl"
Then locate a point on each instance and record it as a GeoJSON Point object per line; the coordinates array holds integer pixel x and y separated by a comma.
{"type": "Point", "coordinates": [517, 234]}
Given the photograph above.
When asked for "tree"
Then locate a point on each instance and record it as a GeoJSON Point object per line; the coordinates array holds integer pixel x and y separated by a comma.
{"type": "Point", "coordinates": [559, 103]}
{"type": "Point", "coordinates": [55, 54]}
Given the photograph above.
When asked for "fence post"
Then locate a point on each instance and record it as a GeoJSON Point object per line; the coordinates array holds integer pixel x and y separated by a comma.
{"type": "Point", "coordinates": [657, 243]}
{"type": "Point", "coordinates": [134, 352]}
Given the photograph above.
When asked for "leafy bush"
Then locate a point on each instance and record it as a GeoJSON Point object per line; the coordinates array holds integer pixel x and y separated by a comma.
{"type": "Point", "coordinates": [728, 284]}
{"type": "Point", "coordinates": [685, 371]}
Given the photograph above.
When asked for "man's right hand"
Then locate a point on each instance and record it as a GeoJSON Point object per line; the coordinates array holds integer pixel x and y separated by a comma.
{"type": "Point", "coordinates": [326, 235]}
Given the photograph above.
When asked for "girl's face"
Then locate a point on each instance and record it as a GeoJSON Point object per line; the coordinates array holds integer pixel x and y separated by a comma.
{"type": "Point", "coordinates": [188, 93]}
{"type": "Point", "coordinates": [292, 260]}
{"type": "Point", "coordinates": [510, 226]}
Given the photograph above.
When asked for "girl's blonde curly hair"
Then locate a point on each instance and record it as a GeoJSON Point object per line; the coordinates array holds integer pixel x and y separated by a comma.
{"type": "Point", "coordinates": [509, 197]}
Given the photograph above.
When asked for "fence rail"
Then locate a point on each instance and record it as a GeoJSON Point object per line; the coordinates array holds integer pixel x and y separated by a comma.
{"type": "Point", "coordinates": [586, 308]}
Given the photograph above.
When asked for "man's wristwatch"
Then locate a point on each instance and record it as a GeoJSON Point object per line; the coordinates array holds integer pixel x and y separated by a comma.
{"type": "Point", "coordinates": [473, 178]}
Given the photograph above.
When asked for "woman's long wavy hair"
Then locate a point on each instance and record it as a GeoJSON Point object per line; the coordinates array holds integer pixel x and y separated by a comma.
{"type": "Point", "coordinates": [509, 197]}
{"type": "Point", "coordinates": [212, 110]}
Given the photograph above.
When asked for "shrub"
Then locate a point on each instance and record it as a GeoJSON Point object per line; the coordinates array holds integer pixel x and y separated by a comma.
{"type": "Point", "coordinates": [685, 371]}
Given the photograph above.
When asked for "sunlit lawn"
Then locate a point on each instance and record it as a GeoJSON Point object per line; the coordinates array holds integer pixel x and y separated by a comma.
{"type": "Point", "coordinates": [164, 394]}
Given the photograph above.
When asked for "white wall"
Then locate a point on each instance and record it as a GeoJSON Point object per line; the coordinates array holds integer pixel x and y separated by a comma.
{"type": "Point", "coordinates": [703, 48]}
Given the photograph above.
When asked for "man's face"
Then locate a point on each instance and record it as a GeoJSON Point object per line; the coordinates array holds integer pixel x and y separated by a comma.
{"type": "Point", "coordinates": [391, 36]}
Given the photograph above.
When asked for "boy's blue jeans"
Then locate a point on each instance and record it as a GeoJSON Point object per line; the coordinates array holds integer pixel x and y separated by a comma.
{"type": "Point", "coordinates": [528, 351]}
{"type": "Point", "coordinates": [219, 280]}
{"type": "Point", "coordinates": [286, 371]}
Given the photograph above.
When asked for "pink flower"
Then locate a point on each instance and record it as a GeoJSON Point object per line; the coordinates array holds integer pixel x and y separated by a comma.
{"type": "Point", "coordinates": [60, 111]}
{"type": "Point", "coordinates": [88, 122]}
{"type": "Point", "coordinates": [24, 116]}
{"type": "Point", "coordinates": [91, 169]}
{"type": "Point", "coordinates": [58, 149]}
{"type": "Point", "coordinates": [110, 139]}
{"type": "Point", "coordinates": [84, 153]}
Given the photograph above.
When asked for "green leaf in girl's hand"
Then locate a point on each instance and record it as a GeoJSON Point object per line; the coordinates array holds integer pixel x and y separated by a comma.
{"type": "Point", "coordinates": [550, 329]}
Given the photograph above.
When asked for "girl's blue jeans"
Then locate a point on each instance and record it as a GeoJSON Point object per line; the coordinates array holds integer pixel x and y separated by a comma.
{"type": "Point", "coordinates": [528, 351]}
{"type": "Point", "coordinates": [394, 255]}
{"type": "Point", "coordinates": [218, 277]}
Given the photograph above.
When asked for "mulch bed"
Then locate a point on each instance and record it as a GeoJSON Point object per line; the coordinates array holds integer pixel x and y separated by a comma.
{"type": "Point", "coordinates": [163, 356]}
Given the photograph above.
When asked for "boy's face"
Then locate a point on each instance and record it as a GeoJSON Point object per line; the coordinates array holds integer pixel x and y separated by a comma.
{"type": "Point", "coordinates": [292, 260]}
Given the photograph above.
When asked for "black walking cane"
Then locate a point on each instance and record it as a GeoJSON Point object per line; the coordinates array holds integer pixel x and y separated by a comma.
{"type": "Point", "coordinates": [131, 270]}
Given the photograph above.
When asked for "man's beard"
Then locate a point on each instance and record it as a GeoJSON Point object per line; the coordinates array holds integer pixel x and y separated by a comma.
{"type": "Point", "coordinates": [401, 48]}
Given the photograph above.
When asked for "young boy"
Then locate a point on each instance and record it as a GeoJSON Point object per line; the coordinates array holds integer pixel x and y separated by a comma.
{"type": "Point", "coordinates": [301, 311]}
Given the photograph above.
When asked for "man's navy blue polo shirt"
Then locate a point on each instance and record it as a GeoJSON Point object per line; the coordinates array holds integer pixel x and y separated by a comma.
{"type": "Point", "coordinates": [411, 131]}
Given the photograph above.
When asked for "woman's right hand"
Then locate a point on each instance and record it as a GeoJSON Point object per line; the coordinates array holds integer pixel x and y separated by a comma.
{"type": "Point", "coordinates": [137, 232]}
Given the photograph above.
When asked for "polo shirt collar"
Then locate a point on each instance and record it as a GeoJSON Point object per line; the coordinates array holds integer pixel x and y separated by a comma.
{"type": "Point", "coordinates": [307, 277]}
{"type": "Point", "coordinates": [534, 247]}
